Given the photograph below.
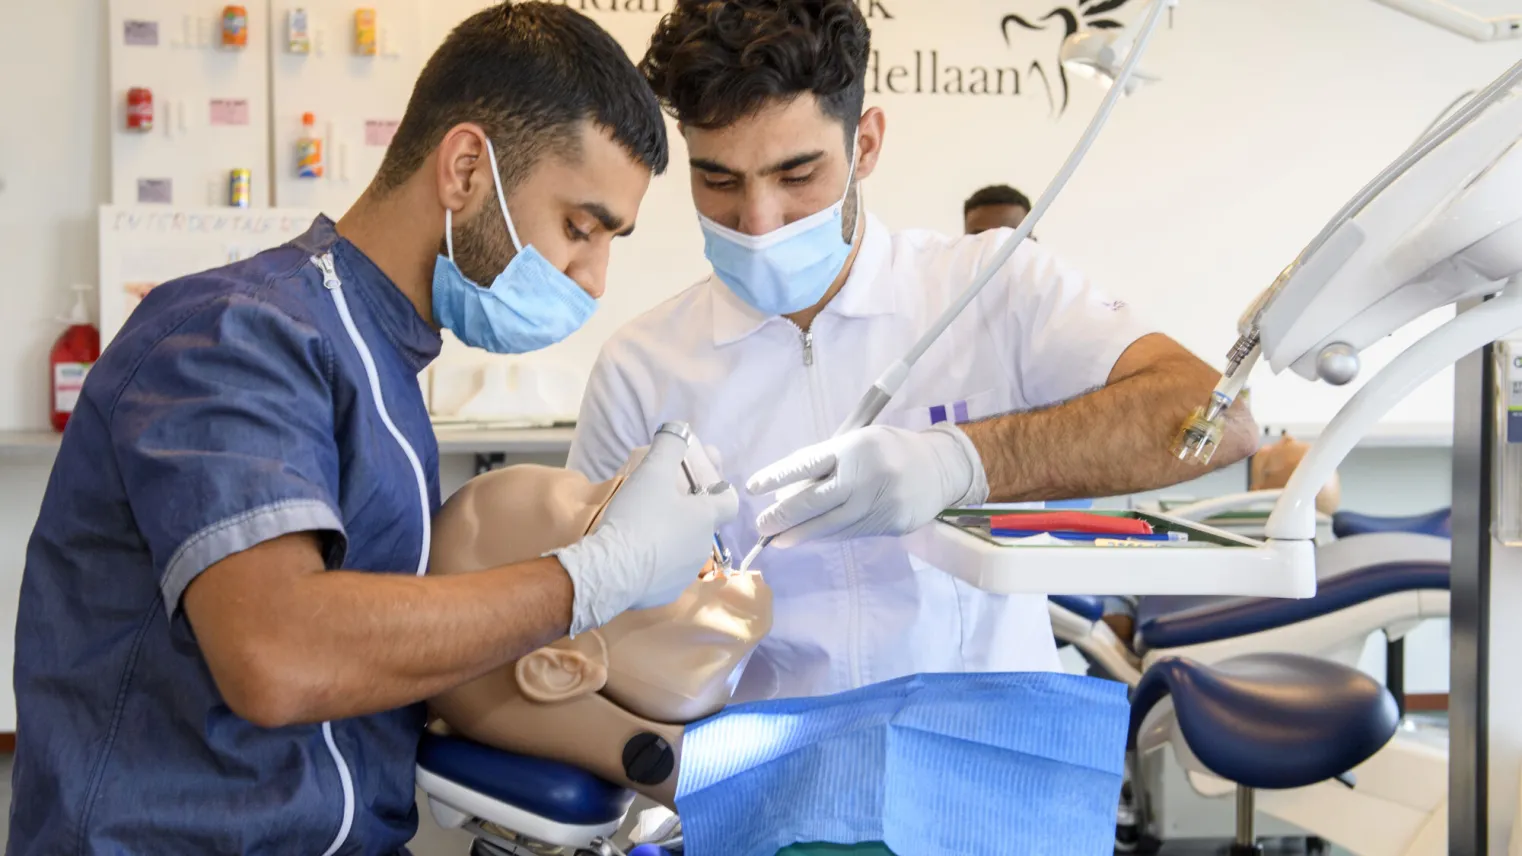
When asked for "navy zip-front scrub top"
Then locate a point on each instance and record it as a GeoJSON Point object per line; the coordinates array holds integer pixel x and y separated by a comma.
{"type": "Point", "coordinates": [233, 407]}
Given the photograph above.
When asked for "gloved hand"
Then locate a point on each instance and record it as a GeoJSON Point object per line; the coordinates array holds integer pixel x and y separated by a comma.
{"type": "Point", "coordinates": [877, 481]}
{"type": "Point", "coordinates": [653, 539]}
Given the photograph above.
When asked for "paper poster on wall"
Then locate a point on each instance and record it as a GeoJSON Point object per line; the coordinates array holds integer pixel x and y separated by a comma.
{"type": "Point", "coordinates": [229, 111]}
{"type": "Point", "coordinates": [155, 191]}
{"type": "Point", "coordinates": [141, 34]}
{"type": "Point", "coordinates": [378, 132]}
{"type": "Point", "coordinates": [142, 247]}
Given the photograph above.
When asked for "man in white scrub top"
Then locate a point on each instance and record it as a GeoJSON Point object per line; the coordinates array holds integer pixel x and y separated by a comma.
{"type": "Point", "coordinates": [1059, 390]}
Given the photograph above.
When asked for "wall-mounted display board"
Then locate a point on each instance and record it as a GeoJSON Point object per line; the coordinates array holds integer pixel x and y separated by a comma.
{"type": "Point", "coordinates": [350, 65]}
{"type": "Point", "coordinates": [189, 100]}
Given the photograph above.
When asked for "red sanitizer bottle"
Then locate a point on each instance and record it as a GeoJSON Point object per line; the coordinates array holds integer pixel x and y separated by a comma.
{"type": "Point", "coordinates": [75, 351]}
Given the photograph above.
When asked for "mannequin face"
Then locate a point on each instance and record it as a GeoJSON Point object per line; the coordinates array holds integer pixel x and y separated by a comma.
{"type": "Point", "coordinates": [677, 663]}
{"type": "Point", "coordinates": [580, 700]}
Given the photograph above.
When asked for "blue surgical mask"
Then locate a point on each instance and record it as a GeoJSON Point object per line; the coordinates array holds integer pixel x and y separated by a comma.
{"type": "Point", "coordinates": [788, 269]}
{"type": "Point", "coordinates": [530, 305]}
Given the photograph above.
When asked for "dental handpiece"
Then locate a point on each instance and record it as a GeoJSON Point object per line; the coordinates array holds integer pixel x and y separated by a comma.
{"type": "Point", "coordinates": [1200, 434]}
{"type": "Point", "coordinates": [722, 559]}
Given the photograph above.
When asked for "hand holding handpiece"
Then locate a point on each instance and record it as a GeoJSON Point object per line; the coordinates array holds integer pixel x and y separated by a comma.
{"type": "Point", "coordinates": [651, 542]}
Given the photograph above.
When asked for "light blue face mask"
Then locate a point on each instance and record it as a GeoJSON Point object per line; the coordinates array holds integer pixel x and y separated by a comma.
{"type": "Point", "coordinates": [928, 765]}
{"type": "Point", "coordinates": [530, 305]}
{"type": "Point", "coordinates": [788, 269]}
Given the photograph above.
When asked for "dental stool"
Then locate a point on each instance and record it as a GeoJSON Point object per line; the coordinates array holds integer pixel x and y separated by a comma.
{"type": "Point", "coordinates": [516, 805]}
{"type": "Point", "coordinates": [1263, 722]}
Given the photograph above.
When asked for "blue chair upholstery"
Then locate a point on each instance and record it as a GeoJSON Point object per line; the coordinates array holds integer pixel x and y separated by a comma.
{"type": "Point", "coordinates": [1439, 523]}
{"type": "Point", "coordinates": [1087, 607]}
{"type": "Point", "coordinates": [1197, 621]}
{"type": "Point", "coordinates": [554, 791]}
{"type": "Point", "coordinates": [1273, 721]}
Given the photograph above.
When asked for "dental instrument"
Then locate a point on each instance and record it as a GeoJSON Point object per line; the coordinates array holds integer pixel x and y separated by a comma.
{"type": "Point", "coordinates": [886, 386]}
{"type": "Point", "coordinates": [722, 559]}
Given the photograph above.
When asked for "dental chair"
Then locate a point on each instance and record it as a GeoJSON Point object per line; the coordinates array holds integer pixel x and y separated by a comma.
{"type": "Point", "coordinates": [515, 805]}
{"type": "Point", "coordinates": [1382, 574]}
{"type": "Point", "coordinates": [1264, 724]}
{"type": "Point", "coordinates": [1392, 559]}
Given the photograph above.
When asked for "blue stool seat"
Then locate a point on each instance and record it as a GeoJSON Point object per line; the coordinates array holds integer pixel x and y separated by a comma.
{"type": "Point", "coordinates": [1087, 607]}
{"type": "Point", "coordinates": [1174, 622]}
{"type": "Point", "coordinates": [1271, 721]}
{"type": "Point", "coordinates": [1439, 523]}
{"type": "Point", "coordinates": [556, 792]}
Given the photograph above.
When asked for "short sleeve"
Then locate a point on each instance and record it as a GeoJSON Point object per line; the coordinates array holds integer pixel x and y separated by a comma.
{"type": "Point", "coordinates": [224, 435]}
{"type": "Point", "coordinates": [609, 426]}
{"type": "Point", "coordinates": [1069, 334]}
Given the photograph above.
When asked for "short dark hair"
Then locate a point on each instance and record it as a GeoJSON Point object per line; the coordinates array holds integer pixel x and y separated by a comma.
{"type": "Point", "coordinates": [995, 194]}
{"type": "Point", "coordinates": [713, 62]}
{"type": "Point", "coordinates": [529, 74]}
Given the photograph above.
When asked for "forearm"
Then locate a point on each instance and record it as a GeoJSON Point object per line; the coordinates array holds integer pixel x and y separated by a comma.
{"type": "Point", "coordinates": [348, 644]}
{"type": "Point", "coordinates": [1112, 441]}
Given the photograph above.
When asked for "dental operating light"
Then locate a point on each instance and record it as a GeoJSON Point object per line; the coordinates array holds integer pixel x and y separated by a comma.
{"type": "Point", "coordinates": [883, 390]}
{"type": "Point", "coordinates": [1099, 54]}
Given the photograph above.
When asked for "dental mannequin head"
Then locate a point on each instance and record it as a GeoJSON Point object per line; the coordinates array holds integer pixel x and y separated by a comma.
{"type": "Point", "coordinates": [582, 700]}
{"type": "Point", "coordinates": [774, 139]}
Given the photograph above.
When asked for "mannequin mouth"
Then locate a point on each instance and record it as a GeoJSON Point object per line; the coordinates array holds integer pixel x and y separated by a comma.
{"type": "Point", "coordinates": [711, 573]}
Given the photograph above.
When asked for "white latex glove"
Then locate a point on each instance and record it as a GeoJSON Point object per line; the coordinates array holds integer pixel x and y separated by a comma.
{"type": "Point", "coordinates": [653, 539]}
{"type": "Point", "coordinates": [876, 481]}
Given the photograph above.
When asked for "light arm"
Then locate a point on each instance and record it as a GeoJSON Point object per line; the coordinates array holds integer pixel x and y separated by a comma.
{"type": "Point", "coordinates": [1294, 516]}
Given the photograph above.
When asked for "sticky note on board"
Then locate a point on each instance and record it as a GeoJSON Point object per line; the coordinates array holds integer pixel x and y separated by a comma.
{"type": "Point", "coordinates": [229, 111]}
{"type": "Point", "coordinates": [140, 34]}
{"type": "Point", "coordinates": [378, 132]}
{"type": "Point", "coordinates": [155, 191]}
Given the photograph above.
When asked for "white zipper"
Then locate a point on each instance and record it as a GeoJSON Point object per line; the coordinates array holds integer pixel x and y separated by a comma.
{"type": "Point", "coordinates": [853, 597]}
{"type": "Point", "coordinates": [331, 282]}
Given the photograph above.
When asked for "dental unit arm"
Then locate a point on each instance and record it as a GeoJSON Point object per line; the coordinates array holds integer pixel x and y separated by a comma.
{"type": "Point", "coordinates": [1440, 225]}
{"type": "Point", "coordinates": [885, 387]}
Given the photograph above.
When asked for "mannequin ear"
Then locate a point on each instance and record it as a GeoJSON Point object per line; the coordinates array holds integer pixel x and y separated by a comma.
{"type": "Point", "coordinates": [566, 670]}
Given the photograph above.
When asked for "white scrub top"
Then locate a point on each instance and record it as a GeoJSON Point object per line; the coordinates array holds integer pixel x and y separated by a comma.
{"type": "Point", "coordinates": [757, 388]}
